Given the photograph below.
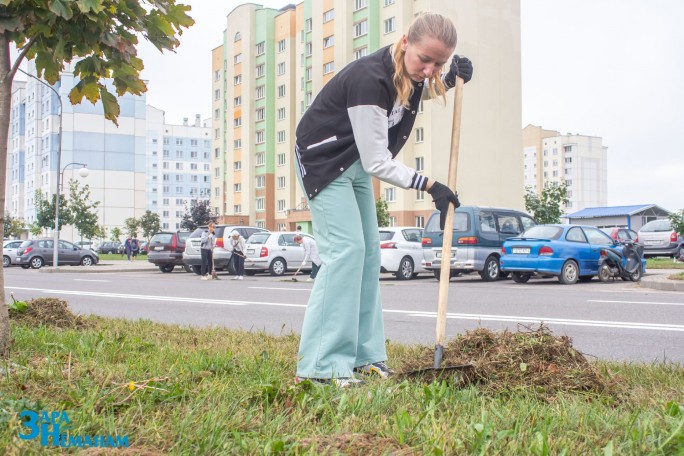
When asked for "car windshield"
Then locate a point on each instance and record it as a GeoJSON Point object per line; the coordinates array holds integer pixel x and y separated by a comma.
{"type": "Point", "coordinates": [657, 225]}
{"type": "Point", "coordinates": [183, 235]}
{"type": "Point", "coordinates": [258, 238]}
{"type": "Point", "coordinates": [543, 232]}
{"type": "Point", "coordinates": [386, 235]}
{"type": "Point", "coordinates": [162, 238]}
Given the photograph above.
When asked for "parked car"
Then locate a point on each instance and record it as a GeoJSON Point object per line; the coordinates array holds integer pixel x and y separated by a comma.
{"type": "Point", "coordinates": [86, 245]}
{"type": "Point", "coordinates": [110, 247]}
{"type": "Point", "coordinates": [143, 248]}
{"type": "Point", "coordinates": [401, 251]}
{"type": "Point", "coordinates": [621, 234]}
{"type": "Point", "coordinates": [276, 253]}
{"type": "Point", "coordinates": [193, 258]}
{"type": "Point", "coordinates": [569, 252]}
{"type": "Point", "coordinates": [659, 239]}
{"type": "Point", "coordinates": [9, 252]}
{"type": "Point", "coordinates": [166, 250]}
{"type": "Point", "coordinates": [478, 235]}
{"type": "Point", "coordinates": [36, 253]}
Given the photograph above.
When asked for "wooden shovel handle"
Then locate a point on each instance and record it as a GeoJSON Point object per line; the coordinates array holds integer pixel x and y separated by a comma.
{"type": "Point", "coordinates": [445, 272]}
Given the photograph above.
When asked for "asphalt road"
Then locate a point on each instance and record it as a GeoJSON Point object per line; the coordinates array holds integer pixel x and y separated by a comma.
{"type": "Point", "coordinates": [619, 321]}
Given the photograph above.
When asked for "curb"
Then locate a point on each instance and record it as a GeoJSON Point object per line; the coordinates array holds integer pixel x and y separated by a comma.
{"type": "Point", "coordinates": [98, 268]}
{"type": "Point", "coordinates": [661, 282]}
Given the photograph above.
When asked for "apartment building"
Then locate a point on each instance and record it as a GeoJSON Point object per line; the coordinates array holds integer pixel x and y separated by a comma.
{"type": "Point", "coordinates": [576, 160]}
{"type": "Point", "coordinates": [272, 63]}
{"type": "Point", "coordinates": [178, 166]}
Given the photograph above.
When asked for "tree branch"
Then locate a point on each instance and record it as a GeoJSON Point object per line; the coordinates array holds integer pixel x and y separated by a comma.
{"type": "Point", "coordinates": [20, 57]}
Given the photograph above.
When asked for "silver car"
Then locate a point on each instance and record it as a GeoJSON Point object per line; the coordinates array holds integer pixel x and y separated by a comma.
{"type": "Point", "coordinates": [276, 253]}
{"type": "Point", "coordinates": [9, 252]}
{"type": "Point", "coordinates": [192, 257]}
{"type": "Point", "coordinates": [659, 239]}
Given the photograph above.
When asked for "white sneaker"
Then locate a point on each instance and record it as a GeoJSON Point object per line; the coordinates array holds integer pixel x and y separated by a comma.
{"type": "Point", "coordinates": [309, 279]}
{"type": "Point", "coordinates": [241, 278]}
{"type": "Point", "coordinates": [205, 277]}
{"type": "Point", "coordinates": [235, 278]}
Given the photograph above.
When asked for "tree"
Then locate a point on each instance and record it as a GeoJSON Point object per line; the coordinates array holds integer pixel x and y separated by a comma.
{"type": "Point", "coordinates": [131, 225]}
{"type": "Point", "coordinates": [83, 212]}
{"type": "Point", "coordinates": [45, 211]}
{"type": "Point", "coordinates": [677, 220]}
{"type": "Point", "coordinates": [101, 37]}
{"type": "Point", "coordinates": [35, 229]}
{"type": "Point", "coordinates": [14, 226]}
{"type": "Point", "coordinates": [546, 208]}
{"type": "Point", "coordinates": [116, 234]}
{"type": "Point", "coordinates": [199, 214]}
{"type": "Point", "coordinates": [382, 212]}
{"type": "Point", "coordinates": [149, 224]}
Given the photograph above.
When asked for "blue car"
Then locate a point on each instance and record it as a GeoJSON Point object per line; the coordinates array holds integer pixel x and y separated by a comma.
{"type": "Point", "coordinates": [569, 252]}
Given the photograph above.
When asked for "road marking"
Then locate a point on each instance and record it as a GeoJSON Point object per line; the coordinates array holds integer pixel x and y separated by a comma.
{"type": "Point", "coordinates": [557, 321]}
{"type": "Point", "coordinates": [412, 313]}
{"type": "Point", "coordinates": [90, 280]}
{"type": "Point", "coordinates": [274, 288]}
{"type": "Point", "coordinates": [639, 302]}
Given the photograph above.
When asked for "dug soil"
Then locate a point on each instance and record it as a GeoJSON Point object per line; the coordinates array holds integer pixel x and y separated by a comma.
{"type": "Point", "coordinates": [51, 312]}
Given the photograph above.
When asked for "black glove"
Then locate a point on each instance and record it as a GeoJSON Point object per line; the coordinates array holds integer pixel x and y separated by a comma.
{"type": "Point", "coordinates": [442, 196]}
{"type": "Point", "coordinates": [460, 66]}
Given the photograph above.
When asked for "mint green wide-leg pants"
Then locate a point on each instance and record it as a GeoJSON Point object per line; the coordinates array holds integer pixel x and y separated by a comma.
{"type": "Point", "coordinates": [343, 325]}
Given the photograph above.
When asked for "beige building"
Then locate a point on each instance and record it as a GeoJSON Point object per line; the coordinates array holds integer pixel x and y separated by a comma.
{"type": "Point", "coordinates": [272, 63]}
{"type": "Point", "coordinates": [577, 160]}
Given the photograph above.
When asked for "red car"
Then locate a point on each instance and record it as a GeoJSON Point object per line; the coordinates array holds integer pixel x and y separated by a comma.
{"type": "Point", "coordinates": [621, 234]}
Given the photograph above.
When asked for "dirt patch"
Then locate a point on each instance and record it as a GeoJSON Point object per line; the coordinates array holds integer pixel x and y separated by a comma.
{"type": "Point", "coordinates": [504, 361]}
{"type": "Point", "coordinates": [51, 312]}
{"type": "Point", "coordinates": [366, 444]}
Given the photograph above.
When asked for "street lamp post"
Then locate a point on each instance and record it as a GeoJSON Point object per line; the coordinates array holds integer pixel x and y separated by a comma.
{"type": "Point", "coordinates": [83, 172]}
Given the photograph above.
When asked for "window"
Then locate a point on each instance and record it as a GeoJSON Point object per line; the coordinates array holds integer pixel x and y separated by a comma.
{"type": "Point", "coordinates": [328, 67]}
{"type": "Point", "coordinates": [217, 153]}
{"type": "Point", "coordinates": [388, 3]}
{"type": "Point", "coordinates": [237, 122]}
{"type": "Point", "coordinates": [420, 195]}
{"type": "Point", "coordinates": [237, 101]}
{"type": "Point", "coordinates": [237, 166]}
{"type": "Point", "coordinates": [281, 205]}
{"type": "Point", "coordinates": [568, 182]}
{"type": "Point", "coordinates": [361, 28]}
{"type": "Point", "coordinates": [217, 133]}
{"type": "Point", "coordinates": [555, 151]}
{"type": "Point", "coordinates": [217, 75]}
{"type": "Point", "coordinates": [361, 52]}
{"type": "Point", "coordinates": [568, 171]}
{"type": "Point", "coordinates": [308, 74]}
{"type": "Point", "coordinates": [164, 214]}
{"type": "Point", "coordinates": [307, 25]}
{"type": "Point", "coordinates": [568, 159]}
{"type": "Point", "coordinates": [420, 163]}
{"type": "Point", "coordinates": [237, 143]}
{"type": "Point", "coordinates": [546, 164]}
{"type": "Point", "coordinates": [360, 4]}
{"type": "Point", "coordinates": [260, 70]}
{"type": "Point", "coordinates": [420, 221]}
{"type": "Point", "coordinates": [237, 187]}
{"type": "Point", "coordinates": [567, 149]}
{"type": "Point", "coordinates": [281, 90]}
{"type": "Point", "coordinates": [309, 49]}
{"type": "Point", "coordinates": [260, 114]}
{"type": "Point", "coordinates": [217, 114]}
{"type": "Point", "coordinates": [237, 80]}
{"type": "Point", "coordinates": [555, 163]}
{"type": "Point", "coordinates": [165, 201]}
{"type": "Point", "coordinates": [329, 15]}
{"type": "Point", "coordinates": [165, 165]}
{"type": "Point", "coordinates": [260, 204]}
{"type": "Point", "coordinates": [281, 136]}
{"type": "Point", "coordinates": [281, 46]}
{"type": "Point", "coordinates": [260, 92]}
{"type": "Point", "coordinates": [509, 224]}
{"type": "Point", "coordinates": [390, 25]}
{"type": "Point", "coordinates": [309, 98]}
{"type": "Point", "coordinates": [179, 178]}
{"type": "Point", "coordinates": [260, 48]}
{"type": "Point", "coordinates": [281, 68]}
{"type": "Point", "coordinates": [260, 137]}
{"type": "Point", "coordinates": [237, 208]}
{"type": "Point", "coordinates": [392, 221]}
{"type": "Point", "coordinates": [420, 108]}
{"type": "Point", "coordinates": [237, 37]}
{"type": "Point", "coordinates": [179, 166]}
{"type": "Point", "coordinates": [217, 94]}
{"type": "Point", "coordinates": [419, 135]}
{"type": "Point", "coordinates": [555, 173]}
{"type": "Point", "coordinates": [194, 178]}
{"type": "Point", "coordinates": [179, 154]}
{"type": "Point", "coordinates": [260, 181]}
{"type": "Point", "coordinates": [237, 59]}
{"type": "Point", "coordinates": [390, 194]}
{"type": "Point", "coordinates": [281, 159]}
{"type": "Point", "coordinates": [328, 41]}
{"type": "Point", "coordinates": [281, 181]}
{"type": "Point", "coordinates": [575, 235]}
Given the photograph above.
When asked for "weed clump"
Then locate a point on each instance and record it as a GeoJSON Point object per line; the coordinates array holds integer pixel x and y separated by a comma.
{"type": "Point", "coordinates": [351, 443]}
{"type": "Point", "coordinates": [50, 312]}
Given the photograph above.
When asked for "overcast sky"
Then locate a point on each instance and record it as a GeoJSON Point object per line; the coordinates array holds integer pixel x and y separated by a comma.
{"type": "Point", "coordinates": [608, 68]}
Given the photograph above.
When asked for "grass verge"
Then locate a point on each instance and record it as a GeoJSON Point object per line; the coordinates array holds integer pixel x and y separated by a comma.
{"type": "Point", "coordinates": [183, 390]}
{"type": "Point", "coordinates": [679, 276]}
{"type": "Point", "coordinates": [663, 263]}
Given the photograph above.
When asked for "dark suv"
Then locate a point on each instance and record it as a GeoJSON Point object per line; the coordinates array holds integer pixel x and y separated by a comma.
{"type": "Point", "coordinates": [222, 256]}
{"type": "Point", "coordinates": [110, 247]}
{"type": "Point", "coordinates": [165, 249]}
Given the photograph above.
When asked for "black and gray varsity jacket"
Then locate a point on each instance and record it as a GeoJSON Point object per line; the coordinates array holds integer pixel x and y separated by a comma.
{"type": "Point", "coordinates": [356, 115]}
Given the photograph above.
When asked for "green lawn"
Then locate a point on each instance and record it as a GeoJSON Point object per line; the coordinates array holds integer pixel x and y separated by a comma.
{"type": "Point", "coordinates": [117, 257]}
{"type": "Point", "coordinates": [663, 263]}
{"type": "Point", "coordinates": [181, 390]}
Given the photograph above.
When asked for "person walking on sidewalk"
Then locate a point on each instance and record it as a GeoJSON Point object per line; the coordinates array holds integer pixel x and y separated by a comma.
{"type": "Point", "coordinates": [135, 247]}
{"type": "Point", "coordinates": [238, 244]}
{"type": "Point", "coordinates": [352, 132]}
{"type": "Point", "coordinates": [207, 243]}
{"type": "Point", "coordinates": [127, 248]}
{"type": "Point", "coordinates": [310, 253]}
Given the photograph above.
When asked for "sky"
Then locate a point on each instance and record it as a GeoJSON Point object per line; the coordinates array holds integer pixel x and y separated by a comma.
{"type": "Point", "coordinates": [607, 68]}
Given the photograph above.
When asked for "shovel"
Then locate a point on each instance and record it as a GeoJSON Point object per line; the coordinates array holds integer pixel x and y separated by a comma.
{"type": "Point", "coordinates": [214, 274]}
{"type": "Point", "coordinates": [294, 277]}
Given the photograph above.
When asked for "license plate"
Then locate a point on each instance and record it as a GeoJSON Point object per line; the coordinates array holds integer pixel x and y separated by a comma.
{"type": "Point", "coordinates": [159, 248]}
{"type": "Point", "coordinates": [521, 250]}
{"type": "Point", "coordinates": [250, 251]}
{"type": "Point", "coordinates": [651, 242]}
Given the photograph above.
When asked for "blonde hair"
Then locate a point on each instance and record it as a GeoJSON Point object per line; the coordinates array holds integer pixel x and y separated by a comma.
{"type": "Point", "coordinates": [426, 24]}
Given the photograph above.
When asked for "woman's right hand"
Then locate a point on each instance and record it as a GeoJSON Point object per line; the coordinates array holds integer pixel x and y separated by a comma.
{"type": "Point", "coordinates": [442, 196]}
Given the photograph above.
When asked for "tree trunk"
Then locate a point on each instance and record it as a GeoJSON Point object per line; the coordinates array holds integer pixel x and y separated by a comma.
{"type": "Point", "coordinates": [5, 111]}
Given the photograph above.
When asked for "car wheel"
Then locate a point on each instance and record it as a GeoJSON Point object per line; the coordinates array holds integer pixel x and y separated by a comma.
{"type": "Point", "coordinates": [604, 273]}
{"type": "Point", "coordinates": [278, 267]}
{"type": "Point", "coordinates": [636, 275]}
{"type": "Point", "coordinates": [490, 273]}
{"type": "Point", "coordinates": [166, 267]}
{"type": "Point", "coordinates": [197, 270]}
{"type": "Point", "coordinates": [585, 279]}
{"type": "Point", "coordinates": [87, 261]}
{"type": "Point", "coordinates": [36, 262]}
{"type": "Point", "coordinates": [25, 266]}
{"type": "Point", "coordinates": [405, 271]}
{"type": "Point", "coordinates": [187, 268]}
{"type": "Point", "coordinates": [520, 277]}
{"type": "Point", "coordinates": [569, 273]}
{"type": "Point", "coordinates": [6, 261]}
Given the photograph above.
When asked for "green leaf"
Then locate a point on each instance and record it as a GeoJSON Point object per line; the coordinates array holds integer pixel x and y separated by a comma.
{"type": "Point", "coordinates": [110, 104]}
{"type": "Point", "coordinates": [61, 9]}
{"type": "Point", "coordinates": [47, 66]}
{"type": "Point", "coordinates": [523, 367]}
{"type": "Point", "coordinates": [608, 449]}
{"type": "Point", "coordinates": [673, 409]}
{"type": "Point", "coordinates": [90, 5]}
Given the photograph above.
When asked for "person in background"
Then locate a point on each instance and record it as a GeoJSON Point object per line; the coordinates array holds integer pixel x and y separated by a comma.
{"type": "Point", "coordinates": [127, 248]}
{"type": "Point", "coordinates": [237, 242]}
{"type": "Point", "coordinates": [310, 253]}
{"type": "Point", "coordinates": [352, 132]}
{"type": "Point", "coordinates": [135, 247]}
{"type": "Point", "coordinates": [207, 243]}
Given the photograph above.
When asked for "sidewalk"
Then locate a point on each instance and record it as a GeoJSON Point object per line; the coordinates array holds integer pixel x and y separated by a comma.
{"type": "Point", "coordinates": [657, 279]}
{"type": "Point", "coordinates": [139, 265]}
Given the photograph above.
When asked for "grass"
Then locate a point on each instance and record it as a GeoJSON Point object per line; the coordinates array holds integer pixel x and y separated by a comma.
{"type": "Point", "coordinates": [679, 276]}
{"type": "Point", "coordinates": [662, 263]}
{"type": "Point", "coordinates": [117, 257]}
{"type": "Point", "coordinates": [217, 391]}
